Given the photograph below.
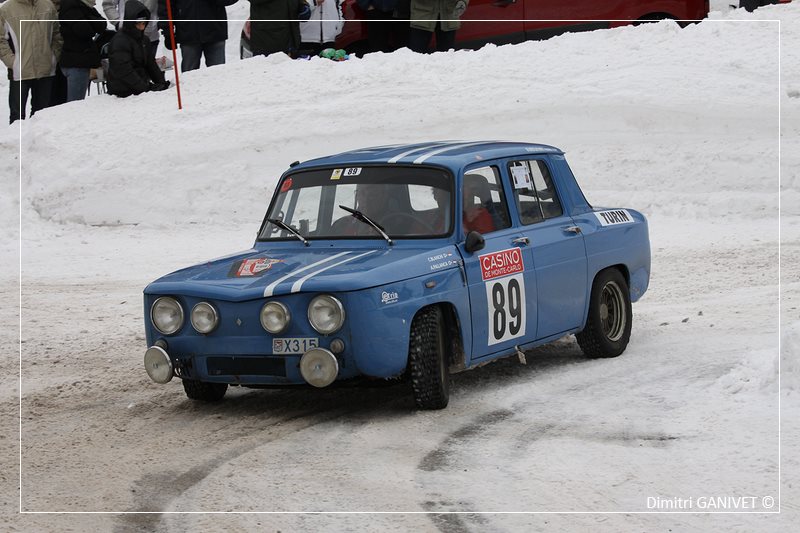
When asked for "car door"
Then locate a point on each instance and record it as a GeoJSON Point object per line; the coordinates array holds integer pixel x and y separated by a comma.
{"type": "Point", "coordinates": [555, 244]}
{"type": "Point", "coordinates": [502, 289]}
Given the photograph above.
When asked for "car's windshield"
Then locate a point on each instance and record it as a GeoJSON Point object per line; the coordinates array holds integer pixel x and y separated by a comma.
{"type": "Point", "coordinates": [404, 202]}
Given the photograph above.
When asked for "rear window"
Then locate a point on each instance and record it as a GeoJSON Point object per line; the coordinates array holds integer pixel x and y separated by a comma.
{"type": "Point", "coordinates": [534, 191]}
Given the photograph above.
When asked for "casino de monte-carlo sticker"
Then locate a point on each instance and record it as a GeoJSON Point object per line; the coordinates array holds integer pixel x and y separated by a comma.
{"type": "Point", "coordinates": [613, 217]}
{"type": "Point", "coordinates": [252, 267]}
{"type": "Point", "coordinates": [502, 273]}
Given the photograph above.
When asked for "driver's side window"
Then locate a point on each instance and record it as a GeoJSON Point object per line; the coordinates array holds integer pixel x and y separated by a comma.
{"type": "Point", "coordinates": [484, 204]}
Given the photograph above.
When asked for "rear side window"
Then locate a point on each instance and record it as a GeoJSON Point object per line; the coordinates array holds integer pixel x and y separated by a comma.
{"type": "Point", "coordinates": [485, 208]}
{"type": "Point", "coordinates": [534, 191]}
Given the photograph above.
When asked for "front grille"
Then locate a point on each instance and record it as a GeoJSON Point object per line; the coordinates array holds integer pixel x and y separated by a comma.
{"type": "Point", "coordinates": [243, 365]}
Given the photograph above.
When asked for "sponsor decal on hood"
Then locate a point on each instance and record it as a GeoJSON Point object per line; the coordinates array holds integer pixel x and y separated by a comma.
{"type": "Point", "coordinates": [252, 267]}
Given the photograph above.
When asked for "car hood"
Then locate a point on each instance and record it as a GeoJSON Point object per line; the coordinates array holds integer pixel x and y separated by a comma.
{"type": "Point", "coordinates": [272, 271]}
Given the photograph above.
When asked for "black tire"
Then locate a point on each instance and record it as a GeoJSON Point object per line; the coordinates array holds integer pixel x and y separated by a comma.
{"type": "Point", "coordinates": [608, 323]}
{"type": "Point", "coordinates": [427, 360]}
{"type": "Point", "coordinates": [204, 391]}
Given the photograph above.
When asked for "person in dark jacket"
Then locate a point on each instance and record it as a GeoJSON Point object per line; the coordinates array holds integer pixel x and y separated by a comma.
{"type": "Point", "coordinates": [80, 25]}
{"type": "Point", "coordinates": [275, 25]}
{"type": "Point", "coordinates": [115, 9]}
{"type": "Point", "coordinates": [385, 33]}
{"type": "Point", "coordinates": [197, 39]}
{"type": "Point", "coordinates": [131, 66]}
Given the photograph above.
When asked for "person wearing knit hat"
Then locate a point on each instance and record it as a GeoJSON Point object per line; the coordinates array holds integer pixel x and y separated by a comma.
{"type": "Point", "coordinates": [132, 69]}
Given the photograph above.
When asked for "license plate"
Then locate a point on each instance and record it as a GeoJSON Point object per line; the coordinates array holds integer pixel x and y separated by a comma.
{"type": "Point", "coordinates": [294, 345]}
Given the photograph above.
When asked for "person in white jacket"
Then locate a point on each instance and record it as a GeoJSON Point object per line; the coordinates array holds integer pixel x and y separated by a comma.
{"type": "Point", "coordinates": [322, 27]}
{"type": "Point", "coordinates": [115, 8]}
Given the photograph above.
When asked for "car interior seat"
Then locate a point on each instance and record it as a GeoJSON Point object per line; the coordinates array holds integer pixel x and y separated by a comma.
{"type": "Point", "coordinates": [484, 192]}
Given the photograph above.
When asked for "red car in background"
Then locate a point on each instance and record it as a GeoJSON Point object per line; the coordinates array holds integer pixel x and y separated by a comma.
{"type": "Point", "coordinates": [514, 21]}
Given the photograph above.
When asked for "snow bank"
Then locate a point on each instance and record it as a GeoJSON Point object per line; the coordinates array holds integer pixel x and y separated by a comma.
{"type": "Point", "coordinates": [106, 161]}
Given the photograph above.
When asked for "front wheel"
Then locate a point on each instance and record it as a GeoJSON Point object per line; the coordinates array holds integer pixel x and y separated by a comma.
{"type": "Point", "coordinates": [427, 360]}
{"type": "Point", "coordinates": [608, 323]}
{"type": "Point", "coordinates": [204, 391]}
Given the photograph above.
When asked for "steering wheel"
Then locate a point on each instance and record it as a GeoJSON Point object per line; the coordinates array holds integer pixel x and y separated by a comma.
{"type": "Point", "coordinates": [425, 225]}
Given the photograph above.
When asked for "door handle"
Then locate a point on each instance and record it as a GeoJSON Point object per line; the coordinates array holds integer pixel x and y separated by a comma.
{"type": "Point", "coordinates": [572, 229]}
{"type": "Point", "coordinates": [504, 3]}
{"type": "Point", "coordinates": [521, 240]}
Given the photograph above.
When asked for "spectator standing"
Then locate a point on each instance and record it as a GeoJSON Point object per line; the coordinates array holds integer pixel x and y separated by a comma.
{"type": "Point", "coordinates": [435, 16]}
{"type": "Point", "coordinates": [58, 92]}
{"type": "Point", "coordinates": [132, 69]}
{"type": "Point", "coordinates": [197, 39]}
{"type": "Point", "coordinates": [114, 9]}
{"type": "Point", "coordinates": [275, 26]}
{"type": "Point", "coordinates": [81, 24]}
{"type": "Point", "coordinates": [31, 54]}
{"type": "Point", "coordinates": [385, 33]}
{"type": "Point", "coordinates": [324, 23]}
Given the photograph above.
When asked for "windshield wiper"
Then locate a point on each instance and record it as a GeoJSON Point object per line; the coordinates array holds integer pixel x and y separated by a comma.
{"type": "Point", "coordinates": [361, 217]}
{"type": "Point", "coordinates": [284, 226]}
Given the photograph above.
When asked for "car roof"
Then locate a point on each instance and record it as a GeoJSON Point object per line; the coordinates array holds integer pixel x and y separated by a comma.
{"type": "Point", "coordinates": [445, 153]}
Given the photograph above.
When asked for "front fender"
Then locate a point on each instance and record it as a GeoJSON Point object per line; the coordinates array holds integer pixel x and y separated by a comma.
{"type": "Point", "coordinates": [380, 318]}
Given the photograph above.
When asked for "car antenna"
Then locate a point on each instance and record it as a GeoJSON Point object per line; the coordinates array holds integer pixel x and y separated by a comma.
{"type": "Point", "coordinates": [294, 164]}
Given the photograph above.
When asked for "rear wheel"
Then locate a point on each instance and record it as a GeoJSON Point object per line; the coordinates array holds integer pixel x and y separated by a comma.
{"type": "Point", "coordinates": [608, 324]}
{"type": "Point", "coordinates": [204, 391]}
{"type": "Point", "coordinates": [427, 360]}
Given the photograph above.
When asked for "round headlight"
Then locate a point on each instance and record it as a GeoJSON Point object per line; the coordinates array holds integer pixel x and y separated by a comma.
{"type": "Point", "coordinates": [167, 315]}
{"type": "Point", "coordinates": [319, 367]}
{"type": "Point", "coordinates": [158, 364]}
{"type": "Point", "coordinates": [204, 318]}
{"type": "Point", "coordinates": [275, 317]}
{"type": "Point", "coordinates": [326, 314]}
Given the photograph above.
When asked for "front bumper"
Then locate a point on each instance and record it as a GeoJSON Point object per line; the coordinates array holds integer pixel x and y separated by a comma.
{"type": "Point", "coordinates": [249, 369]}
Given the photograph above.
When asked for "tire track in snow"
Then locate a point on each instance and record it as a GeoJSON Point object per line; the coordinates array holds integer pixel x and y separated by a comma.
{"type": "Point", "coordinates": [170, 486]}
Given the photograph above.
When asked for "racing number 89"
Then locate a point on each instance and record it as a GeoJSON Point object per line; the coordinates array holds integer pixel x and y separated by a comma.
{"type": "Point", "coordinates": [499, 301]}
{"type": "Point", "coordinates": [506, 309]}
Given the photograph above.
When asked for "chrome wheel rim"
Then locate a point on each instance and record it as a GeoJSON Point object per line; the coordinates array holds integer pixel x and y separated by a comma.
{"type": "Point", "coordinates": [612, 311]}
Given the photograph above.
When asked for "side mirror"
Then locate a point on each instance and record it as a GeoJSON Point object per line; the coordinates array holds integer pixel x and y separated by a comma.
{"type": "Point", "coordinates": [475, 242]}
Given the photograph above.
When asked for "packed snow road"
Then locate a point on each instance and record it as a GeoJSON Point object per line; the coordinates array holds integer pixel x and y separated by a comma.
{"type": "Point", "coordinates": [680, 124]}
{"type": "Point", "coordinates": [689, 409]}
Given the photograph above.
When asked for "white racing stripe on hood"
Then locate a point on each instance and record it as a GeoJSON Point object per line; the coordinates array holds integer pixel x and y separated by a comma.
{"type": "Point", "coordinates": [271, 287]}
{"type": "Point", "coordinates": [432, 153]}
{"type": "Point", "coordinates": [299, 283]}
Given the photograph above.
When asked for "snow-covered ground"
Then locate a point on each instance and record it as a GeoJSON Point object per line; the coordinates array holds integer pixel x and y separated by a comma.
{"type": "Point", "coordinates": [682, 124]}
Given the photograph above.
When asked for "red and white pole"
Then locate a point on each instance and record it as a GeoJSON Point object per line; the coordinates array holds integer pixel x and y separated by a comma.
{"type": "Point", "coordinates": [174, 53]}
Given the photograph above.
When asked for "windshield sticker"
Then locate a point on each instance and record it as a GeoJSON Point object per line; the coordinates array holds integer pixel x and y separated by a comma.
{"type": "Point", "coordinates": [502, 263]}
{"type": "Point", "coordinates": [252, 267]}
{"type": "Point", "coordinates": [286, 185]}
{"type": "Point", "coordinates": [355, 171]}
{"type": "Point", "coordinates": [614, 217]}
{"type": "Point", "coordinates": [336, 174]}
{"type": "Point", "coordinates": [389, 297]}
{"type": "Point", "coordinates": [522, 178]}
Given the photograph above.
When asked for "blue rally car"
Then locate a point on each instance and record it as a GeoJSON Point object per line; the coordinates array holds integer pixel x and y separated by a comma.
{"type": "Point", "coordinates": [412, 261]}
